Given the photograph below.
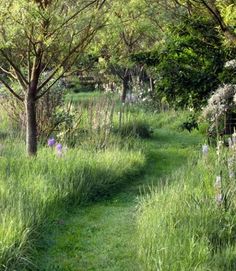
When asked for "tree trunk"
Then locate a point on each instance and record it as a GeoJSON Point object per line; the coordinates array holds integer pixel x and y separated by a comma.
{"type": "Point", "coordinates": [125, 88]}
{"type": "Point", "coordinates": [31, 125]}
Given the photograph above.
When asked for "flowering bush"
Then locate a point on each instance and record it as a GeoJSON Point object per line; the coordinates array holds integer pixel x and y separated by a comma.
{"type": "Point", "coordinates": [219, 104]}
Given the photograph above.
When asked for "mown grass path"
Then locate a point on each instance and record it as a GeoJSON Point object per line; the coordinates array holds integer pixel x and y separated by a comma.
{"type": "Point", "coordinates": [101, 236]}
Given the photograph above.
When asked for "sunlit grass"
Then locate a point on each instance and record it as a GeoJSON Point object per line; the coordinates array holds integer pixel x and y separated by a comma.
{"type": "Point", "coordinates": [180, 225]}
{"type": "Point", "coordinates": [33, 191]}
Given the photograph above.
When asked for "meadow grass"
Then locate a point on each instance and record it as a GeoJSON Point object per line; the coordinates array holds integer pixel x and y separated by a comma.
{"type": "Point", "coordinates": [181, 226]}
{"type": "Point", "coordinates": [103, 235]}
{"type": "Point", "coordinates": [83, 97]}
{"type": "Point", "coordinates": [174, 225]}
{"type": "Point", "coordinates": [33, 192]}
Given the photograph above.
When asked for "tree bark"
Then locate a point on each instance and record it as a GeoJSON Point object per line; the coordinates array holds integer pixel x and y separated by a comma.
{"type": "Point", "coordinates": [125, 87]}
{"type": "Point", "coordinates": [31, 125]}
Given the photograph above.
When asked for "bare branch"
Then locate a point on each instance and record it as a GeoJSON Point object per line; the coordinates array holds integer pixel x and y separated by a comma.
{"type": "Point", "coordinates": [8, 73]}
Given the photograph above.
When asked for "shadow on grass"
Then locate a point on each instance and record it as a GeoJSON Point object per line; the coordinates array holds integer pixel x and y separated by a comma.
{"type": "Point", "coordinates": [166, 152]}
{"type": "Point", "coordinates": [22, 257]}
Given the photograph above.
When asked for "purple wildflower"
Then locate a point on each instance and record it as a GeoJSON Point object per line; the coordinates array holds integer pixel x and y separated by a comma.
{"type": "Point", "coordinates": [59, 150]}
{"type": "Point", "coordinates": [59, 147]}
{"type": "Point", "coordinates": [51, 142]}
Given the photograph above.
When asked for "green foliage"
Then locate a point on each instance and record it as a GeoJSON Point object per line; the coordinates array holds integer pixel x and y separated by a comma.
{"type": "Point", "coordinates": [187, 63]}
{"type": "Point", "coordinates": [190, 62]}
{"type": "Point", "coordinates": [190, 124]}
{"type": "Point", "coordinates": [138, 128]}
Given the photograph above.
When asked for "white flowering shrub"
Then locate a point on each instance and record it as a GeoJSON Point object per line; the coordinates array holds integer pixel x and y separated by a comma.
{"type": "Point", "coordinates": [220, 103]}
{"type": "Point", "coordinates": [231, 64]}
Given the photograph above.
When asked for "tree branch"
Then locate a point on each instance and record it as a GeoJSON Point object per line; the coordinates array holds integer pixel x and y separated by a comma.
{"type": "Point", "coordinates": [83, 43]}
{"type": "Point", "coordinates": [8, 73]}
{"type": "Point", "coordinates": [11, 90]}
{"type": "Point", "coordinates": [71, 18]}
{"type": "Point", "coordinates": [18, 72]}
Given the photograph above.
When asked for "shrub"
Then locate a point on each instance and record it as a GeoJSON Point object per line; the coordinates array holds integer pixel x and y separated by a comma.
{"type": "Point", "coordinates": [219, 104]}
{"type": "Point", "coordinates": [190, 124]}
{"type": "Point", "coordinates": [138, 128]}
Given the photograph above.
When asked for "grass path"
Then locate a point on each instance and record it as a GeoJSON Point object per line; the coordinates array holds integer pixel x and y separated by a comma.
{"type": "Point", "coordinates": [101, 236]}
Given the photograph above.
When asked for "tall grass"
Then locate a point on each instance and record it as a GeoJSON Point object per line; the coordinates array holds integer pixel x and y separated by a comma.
{"type": "Point", "coordinates": [34, 191]}
{"type": "Point", "coordinates": [181, 226]}
{"type": "Point", "coordinates": [102, 122]}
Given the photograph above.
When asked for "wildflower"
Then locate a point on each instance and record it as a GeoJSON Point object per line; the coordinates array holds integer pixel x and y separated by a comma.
{"type": "Point", "coordinates": [231, 167]}
{"type": "Point", "coordinates": [205, 149]}
{"type": "Point", "coordinates": [218, 182]}
{"type": "Point", "coordinates": [59, 149]}
{"type": "Point", "coordinates": [218, 190]}
{"type": "Point", "coordinates": [219, 147]}
{"type": "Point", "coordinates": [219, 199]}
{"type": "Point", "coordinates": [231, 64]}
{"type": "Point", "coordinates": [234, 138]}
{"type": "Point", "coordinates": [230, 142]}
{"type": "Point", "coordinates": [144, 99]}
{"type": "Point", "coordinates": [220, 103]}
{"type": "Point", "coordinates": [51, 142]}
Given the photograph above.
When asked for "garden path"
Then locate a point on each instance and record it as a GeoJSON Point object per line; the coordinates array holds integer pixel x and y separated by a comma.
{"type": "Point", "coordinates": [102, 235]}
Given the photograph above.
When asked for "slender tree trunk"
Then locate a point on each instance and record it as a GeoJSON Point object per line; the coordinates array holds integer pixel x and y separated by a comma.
{"type": "Point", "coordinates": [31, 125]}
{"type": "Point", "coordinates": [125, 88]}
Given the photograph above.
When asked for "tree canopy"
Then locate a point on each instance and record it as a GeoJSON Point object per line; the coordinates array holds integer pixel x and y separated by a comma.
{"type": "Point", "coordinates": [181, 44]}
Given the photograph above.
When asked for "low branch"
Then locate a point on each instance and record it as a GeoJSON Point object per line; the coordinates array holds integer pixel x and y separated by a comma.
{"type": "Point", "coordinates": [18, 72]}
{"type": "Point", "coordinates": [8, 73]}
{"type": "Point", "coordinates": [11, 90]}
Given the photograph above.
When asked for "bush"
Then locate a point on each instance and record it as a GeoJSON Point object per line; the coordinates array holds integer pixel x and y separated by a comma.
{"type": "Point", "coordinates": [137, 128]}
{"type": "Point", "coordinates": [190, 124]}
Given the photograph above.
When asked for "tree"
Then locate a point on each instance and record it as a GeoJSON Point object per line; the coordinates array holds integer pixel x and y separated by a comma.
{"type": "Point", "coordinates": [188, 63]}
{"type": "Point", "coordinates": [41, 37]}
{"type": "Point", "coordinates": [129, 30]}
{"type": "Point", "coordinates": [224, 13]}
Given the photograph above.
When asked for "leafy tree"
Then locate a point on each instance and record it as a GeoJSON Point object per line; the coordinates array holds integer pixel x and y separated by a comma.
{"type": "Point", "coordinates": [39, 37]}
{"type": "Point", "coordinates": [128, 30]}
{"type": "Point", "coordinates": [188, 63]}
{"type": "Point", "coordinates": [223, 12]}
